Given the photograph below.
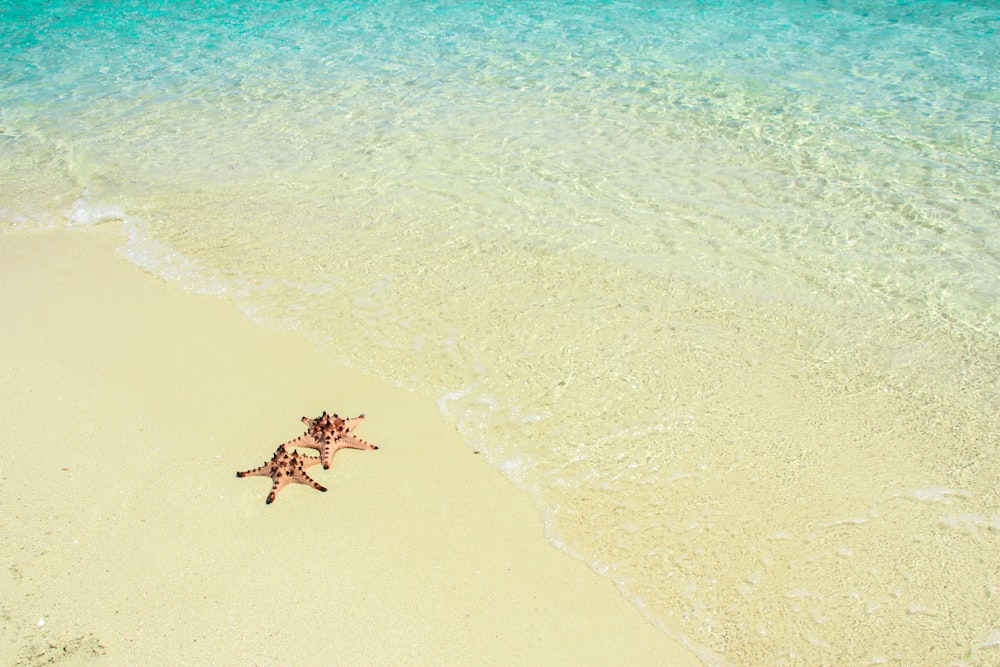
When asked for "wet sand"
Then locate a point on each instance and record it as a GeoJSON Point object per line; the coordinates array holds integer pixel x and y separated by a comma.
{"type": "Point", "coordinates": [129, 406]}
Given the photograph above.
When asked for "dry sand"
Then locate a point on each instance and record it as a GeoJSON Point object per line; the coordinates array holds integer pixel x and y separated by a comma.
{"type": "Point", "coordinates": [127, 539]}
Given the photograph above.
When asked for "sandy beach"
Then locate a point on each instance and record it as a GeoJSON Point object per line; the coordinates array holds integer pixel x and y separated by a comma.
{"type": "Point", "coordinates": [128, 540]}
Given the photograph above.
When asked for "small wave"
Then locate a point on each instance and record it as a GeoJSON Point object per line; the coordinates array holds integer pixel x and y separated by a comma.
{"type": "Point", "coordinates": [85, 213]}
{"type": "Point", "coordinates": [163, 261]}
{"type": "Point", "coordinates": [146, 252]}
{"type": "Point", "coordinates": [969, 522]}
{"type": "Point", "coordinates": [932, 495]}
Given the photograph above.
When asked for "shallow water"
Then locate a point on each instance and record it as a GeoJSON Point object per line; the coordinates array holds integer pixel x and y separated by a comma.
{"type": "Point", "coordinates": [717, 283]}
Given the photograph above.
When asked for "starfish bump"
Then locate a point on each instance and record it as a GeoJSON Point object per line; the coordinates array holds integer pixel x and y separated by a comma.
{"type": "Point", "coordinates": [330, 433]}
{"type": "Point", "coordinates": [285, 468]}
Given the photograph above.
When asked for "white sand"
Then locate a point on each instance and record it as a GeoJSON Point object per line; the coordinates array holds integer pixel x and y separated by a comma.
{"type": "Point", "coordinates": [127, 409]}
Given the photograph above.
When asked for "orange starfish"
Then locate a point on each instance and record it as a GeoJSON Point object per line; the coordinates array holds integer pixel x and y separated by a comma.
{"type": "Point", "coordinates": [285, 468]}
{"type": "Point", "coordinates": [328, 434]}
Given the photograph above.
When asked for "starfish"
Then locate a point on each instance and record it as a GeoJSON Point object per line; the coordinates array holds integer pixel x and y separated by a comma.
{"type": "Point", "coordinates": [285, 468]}
{"type": "Point", "coordinates": [330, 433]}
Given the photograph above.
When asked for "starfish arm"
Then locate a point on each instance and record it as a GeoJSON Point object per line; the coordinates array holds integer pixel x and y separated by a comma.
{"type": "Point", "coordinates": [306, 440]}
{"type": "Point", "coordinates": [325, 451]}
{"type": "Point", "coordinates": [313, 483]}
{"type": "Point", "coordinates": [309, 461]}
{"type": "Point", "coordinates": [331, 445]}
{"type": "Point", "coordinates": [274, 492]}
{"type": "Point", "coordinates": [261, 471]}
{"type": "Point", "coordinates": [269, 467]}
{"type": "Point", "coordinates": [349, 440]}
{"type": "Point", "coordinates": [351, 424]}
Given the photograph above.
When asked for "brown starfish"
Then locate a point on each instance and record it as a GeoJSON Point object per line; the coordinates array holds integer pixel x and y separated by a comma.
{"type": "Point", "coordinates": [285, 468]}
{"type": "Point", "coordinates": [330, 433]}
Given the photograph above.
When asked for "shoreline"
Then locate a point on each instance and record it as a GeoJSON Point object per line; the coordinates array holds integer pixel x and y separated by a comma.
{"type": "Point", "coordinates": [130, 406]}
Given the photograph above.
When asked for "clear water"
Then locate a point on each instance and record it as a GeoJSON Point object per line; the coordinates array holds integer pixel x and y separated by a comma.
{"type": "Point", "coordinates": [718, 283]}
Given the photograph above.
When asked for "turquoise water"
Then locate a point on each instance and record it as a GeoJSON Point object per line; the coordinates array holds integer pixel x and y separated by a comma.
{"type": "Point", "coordinates": [717, 283]}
